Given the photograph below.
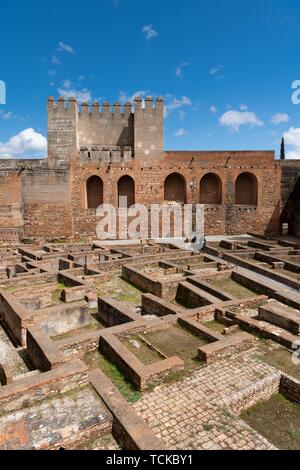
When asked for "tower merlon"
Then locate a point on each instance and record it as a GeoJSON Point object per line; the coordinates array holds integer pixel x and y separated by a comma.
{"type": "Point", "coordinates": [117, 108]}
{"type": "Point", "coordinates": [106, 107]}
{"type": "Point", "coordinates": [127, 108]}
{"type": "Point", "coordinates": [138, 103]}
{"type": "Point", "coordinates": [149, 103]}
{"type": "Point", "coordinates": [85, 108]}
{"type": "Point", "coordinates": [160, 103]}
{"type": "Point", "coordinates": [61, 103]}
{"type": "Point", "coordinates": [96, 109]}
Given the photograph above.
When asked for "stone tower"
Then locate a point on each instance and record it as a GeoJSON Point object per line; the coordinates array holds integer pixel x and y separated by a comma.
{"type": "Point", "coordinates": [104, 135]}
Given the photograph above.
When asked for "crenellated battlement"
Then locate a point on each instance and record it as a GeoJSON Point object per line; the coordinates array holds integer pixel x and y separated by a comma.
{"type": "Point", "coordinates": [73, 126]}
{"type": "Point", "coordinates": [62, 104]}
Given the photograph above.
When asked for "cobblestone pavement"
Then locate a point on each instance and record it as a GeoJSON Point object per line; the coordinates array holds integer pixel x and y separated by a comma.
{"type": "Point", "coordinates": [52, 421]}
{"type": "Point", "coordinates": [190, 414]}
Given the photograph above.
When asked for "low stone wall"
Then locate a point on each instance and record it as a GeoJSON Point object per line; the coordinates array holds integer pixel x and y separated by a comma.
{"type": "Point", "coordinates": [41, 350]}
{"type": "Point", "coordinates": [30, 390]}
{"type": "Point", "coordinates": [290, 387]}
{"type": "Point", "coordinates": [194, 297]}
{"type": "Point", "coordinates": [128, 428]}
{"type": "Point", "coordinates": [200, 330]}
{"type": "Point", "coordinates": [28, 280]}
{"type": "Point", "coordinates": [225, 348]}
{"type": "Point", "coordinates": [262, 390]}
{"type": "Point", "coordinates": [141, 280]}
{"type": "Point", "coordinates": [280, 315]}
{"type": "Point", "coordinates": [292, 299]}
{"type": "Point", "coordinates": [267, 331]}
{"type": "Point", "coordinates": [268, 273]}
{"type": "Point", "coordinates": [113, 312]}
{"type": "Point", "coordinates": [69, 280]}
{"type": "Point", "coordinates": [73, 294]}
{"type": "Point", "coordinates": [251, 282]}
{"type": "Point", "coordinates": [77, 346]}
{"type": "Point", "coordinates": [152, 305]}
{"type": "Point", "coordinates": [140, 375]}
{"type": "Point", "coordinates": [218, 293]}
{"type": "Point", "coordinates": [63, 318]}
{"type": "Point", "coordinates": [15, 316]}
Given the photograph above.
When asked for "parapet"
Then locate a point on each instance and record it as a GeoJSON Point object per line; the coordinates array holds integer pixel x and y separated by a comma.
{"type": "Point", "coordinates": [149, 104]}
{"type": "Point", "coordinates": [62, 106]}
{"type": "Point", "coordinates": [70, 105]}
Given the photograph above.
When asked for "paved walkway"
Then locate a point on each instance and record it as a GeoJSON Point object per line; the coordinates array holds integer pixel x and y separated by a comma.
{"type": "Point", "coordinates": [190, 414]}
{"type": "Point", "coordinates": [51, 422]}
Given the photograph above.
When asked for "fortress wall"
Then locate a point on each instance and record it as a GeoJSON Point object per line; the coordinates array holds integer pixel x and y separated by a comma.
{"type": "Point", "coordinates": [105, 127]}
{"type": "Point", "coordinates": [290, 195]}
{"type": "Point", "coordinates": [11, 206]}
{"type": "Point", "coordinates": [149, 177]}
{"type": "Point", "coordinates": [46, 197]}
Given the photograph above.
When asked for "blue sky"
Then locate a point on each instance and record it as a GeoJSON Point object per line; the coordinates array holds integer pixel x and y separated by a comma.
{"type": "Point", "coordinates": [225, 67]}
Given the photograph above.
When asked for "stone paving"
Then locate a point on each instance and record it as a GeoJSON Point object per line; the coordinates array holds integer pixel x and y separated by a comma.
{"type": "Point", "coordinates": [9, 357]}
{"type": "Point", "coordinates": [54, 421]}
{"type": "Point", "coordinates": [190, 414]}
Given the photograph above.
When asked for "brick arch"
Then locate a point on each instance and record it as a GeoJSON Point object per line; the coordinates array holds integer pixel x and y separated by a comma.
{"type": "Point", "coordinates": [94, 192]}
{"type": "Point", "coordinates": [246, 190]}
{"type": "Point", "coordinates": [126, 188]}
{"type": "Point", "coordinates": [210, 189]}
{"type": "Point", "coordinates": [175, 188]}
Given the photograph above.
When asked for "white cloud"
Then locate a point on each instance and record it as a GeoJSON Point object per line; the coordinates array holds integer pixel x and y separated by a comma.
{"type": "Point", "coordinates": [181, 115]}
{"type": "Point", "coordinates": [63, 47]}
{"type": "Point", "coordinates": [244, 107]}
{"type": "Point", "coordinates": [180, 132]}
{"type": "Point", "coordinates": [216, 71]}
{"type": "Point", "coordinates": [179, 71]}
{"type": "Point", "coordinates": [172, 103]}
{"type": "Point", "coordinates": [235, 119]}
{"type": "Point", "coordinates": [67, 90]}
{"type": "Point", "coordinates": [278, 118]}
{"type": "Point", "coordinates": [292, 140]}
{"type": "Point", "coordinates": [213, 109]}
{"type": "Point", "coordinates": [6, 115]}
{"type": "Point", "coordinates": [27, 143]}
{"type": "Point", "coordinates": [67, 83]}
{"type": "Point", "coordinates": [149, 31]}
{"type": "Point", "coordinates": [55, 60]}
{"type": "Point", "coordinates": [125, 97]}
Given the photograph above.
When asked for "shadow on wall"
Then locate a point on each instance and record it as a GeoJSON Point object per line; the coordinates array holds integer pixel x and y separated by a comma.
{"type": "Point", "coordinates": [291, 212]}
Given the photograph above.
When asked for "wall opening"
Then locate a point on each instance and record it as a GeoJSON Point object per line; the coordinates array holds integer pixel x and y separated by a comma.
{"type": "Point", "coordinates": [175, 188]}
{"type": "Point", "coordinates": [210, 189]}
{"type": "Point", "coordinates": [126, 188]}
{"type": "Point", "coordinates": [94, 192]}
{"type": "Point", "coordinates": [246, 189]}
{"type": "Point", "coordinates": [291, 211]}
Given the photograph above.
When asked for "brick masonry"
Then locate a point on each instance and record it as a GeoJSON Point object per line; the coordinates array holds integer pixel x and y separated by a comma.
{"type": "Point", "coordinates": [48, 198]}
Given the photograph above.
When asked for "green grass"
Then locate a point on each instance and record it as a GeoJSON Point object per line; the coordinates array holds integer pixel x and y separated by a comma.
{"type": "Point", "coordinates": [97, 360]}
{"type": "Point", "coordinates": [278, 420]}
{"type": "Point", "coordinates": [215, 326]}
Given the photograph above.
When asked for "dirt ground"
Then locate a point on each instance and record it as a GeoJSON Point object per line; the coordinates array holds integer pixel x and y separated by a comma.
{"type": "Point", "coordinates": [278, 420]}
